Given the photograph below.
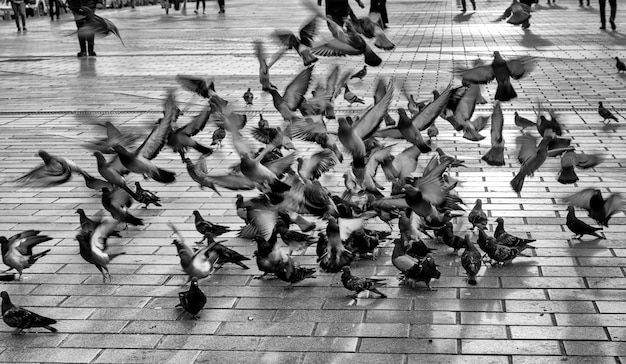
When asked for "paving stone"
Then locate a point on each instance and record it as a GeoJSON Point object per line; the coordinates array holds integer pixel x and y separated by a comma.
{"type": "Point", "coordinates": [327, 344]}
{"type": "Point", "coordinates": [550, 306]}
{"type": "Point", "coordinates": [510, 347]}
{"type": "Point", "coordinates": [204, 342]}
{"type": "Point", "coordinates": [35, 338]}
{"type": "Point", "coordinates": [192, 327]}
{"type": "Point", "coordinates": [560, 359]}
{"type": "Point", "coordinates": [147, 356]}
{"type": "Point", "coordinates": [456, 359]}
{"type": "Point", "coordinates": [599, 348]}
{"type": "Point", "coordinates": [554, 332]}
{"type": "Point", "coordinates": [505, 318]}
{"type": "Point", "coordinates": [265, 357]}
{"type": "Point", "coordinates": [50, 355]}
{"type": "Point", "coordinates": [308, 315]}
{"type": "Point", "coordinates": [362, 330]}
{"type": "Point", "coordinates": [312, 358]}
{"type": "Point", "coordinates": [267, 328]}
{"type": "Point", "coordinates": [398, 345]}
{"type": "Point", "coordinates": [111, 341]}
{"type": "Point", "coordinates": [598, 319]}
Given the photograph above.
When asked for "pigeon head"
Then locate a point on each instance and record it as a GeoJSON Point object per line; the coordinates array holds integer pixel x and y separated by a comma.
{"type": "Point", "coordinates": [80, 211]}
{"type": "Point", "coordinates": [429, 267]}
{"type": "Point", "coordinates": [345, 268]}
{"type": "Point", "coordinates": [44, 155]}
{"type": "Point", "coordinates": [570, 209]}
{"type": "Point", "coordinates": [194, 282]}
{"type": "Point", "coordinates": [479, 202]}
{"type": "Point", "coordinates": [500, 220]}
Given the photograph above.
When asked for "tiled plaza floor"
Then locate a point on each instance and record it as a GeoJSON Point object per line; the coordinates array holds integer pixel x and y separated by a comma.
{"type": "Point", "coordinates": [566, 303]}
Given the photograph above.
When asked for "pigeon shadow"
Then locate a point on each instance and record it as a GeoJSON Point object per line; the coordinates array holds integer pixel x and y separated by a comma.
{"type": "Point", "coordinates": [590, 243]}
{"type": "Point", "coordinates": [530, 40]}
{"type": "Point", "coordinates": [610, 126]}
{"type": "Point", "coordinates": [463, 17]}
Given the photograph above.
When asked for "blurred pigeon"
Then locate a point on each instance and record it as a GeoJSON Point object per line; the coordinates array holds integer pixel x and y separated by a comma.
{"type": "Point", "coordinates": [112, 176]}
{"type": "Point", "coordinates": [579, 227]}
{"type": "Point", "coordinates": [287, 270]}
{"type": "Point", "coordinates": [193, 300]}
{"type": "Point", "coordinates": [301, 43]}
{"type": "Point", "coordinates": [218, 135]}
{"type": "Point", "coordinates": [53, 172]}
{"type": "Point", "coordinates": [98, 25]}
{"type": "Point", "coordinates": [599, 209]}
{"type": "Point", "coordinates": [413, 269]}
{"type": "Point", "coordinates": [21, 318]}
{"type": "Point", "coordinates": [199, 264]}
{"type": "Point", "coordinates": [117, 202]}
{"type": "Point", "coordinates": [495, 155]}
{"type": "Point", "coordinates": [531, 156]}
{"type": "Point", "coordinates": [95, 183]}
{"type": "Point", "coordinates": [567, 174]}
{"type": "Point", "coordinates": [471, 260]}
{"type": "Point", "coordinates": [17, 250]}
{"type": "Point", "coordinates": [347, 42]}
{"type": "Point", "coordinates": [93, 246]}
{"type": "Point", "coordinates": [359, 284]}
{"type": "Point", "coordinates": [198, 172]}
{"type": "Point", "coordinates": [135, 163]}
{"type": "Point", "coordinates": [371, 26]}
{"type": "Point", "coordinates": [605, 113]}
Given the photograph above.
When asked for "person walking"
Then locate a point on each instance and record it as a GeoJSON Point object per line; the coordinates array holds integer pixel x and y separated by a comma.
{"type": "Point", "coordinates": [464, 5]}
{"type": "Point", "coordinates": [222, 8]}
{"type": "Point", "coordinates": [198, 6]}
{"type": "Point", "coordinates": [85, 37]}
{"type": "Point", "coordinates": [380, 6]}
{"type": "Point", "coordinates": [19, 9]}
{"type": "Point", "coordinates": [613, 5]}
{"type": "Point", "coordinates": [52, 5]}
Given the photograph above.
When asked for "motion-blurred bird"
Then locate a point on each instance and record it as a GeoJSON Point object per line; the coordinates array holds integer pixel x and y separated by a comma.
{"type": "Point", "coordinates": [619, 65]}
{"type": "Point", "coordinates": [287, 270]}
{"type": "Point", "coordinates": [495, 155]}
{"type": "Point", "coordinates": [21, 318]}
{"type": "Point", "coordinates": [605, 113]}
{"type": "Point", "coordinates": [359, 284]}
{"type": "Point", "coordinates": [531, 156]}
{"type": "Point", "coordinates": [360, 74]}
{"type": "Point", "coordinates": [579, 227]}
{"type": "Point", "coordinates": [199, 264]}
{"type": "Point", "coordinates": [301, 43]}
{"type": "Point", "coordinates": [477, 217]}
{"type": "Point", "coordinates": [17, 250]}
{"type": "Point", "coordinates": [192, 300]}
{"type": "Point", "coordinates": [97, 25]}
{"type": "Point", "coordinates": [135, 163]}
{"type": "Point", "coordinates": [248, 97]}
{"type": "Point", "coordinates": [53, 172]}
{"type": "Point", "coordinates": [117, 202]}
{"type": "Point", "coordinates": [502, 71]}
{"type": "Point", "coordinates": [471, 260]}
{"type": "Point", "coordinates": [113, 176]}
{"type": "Point", "coordinates": [567, 174]}
{"type": "Point", "coordinates": [347, 42]}
{"type": "Point", "coordinates": [199, 173]}
{"type": "Point", "coordinates": [599, 209]}
{"type": "Point", "coordinates": [93, 246]}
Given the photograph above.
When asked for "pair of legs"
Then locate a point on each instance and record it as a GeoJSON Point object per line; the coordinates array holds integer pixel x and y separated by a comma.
{"type": "Point", "coordinates": [221, 4]}
{"type": "Point", "coordinates": [380, 6]}
{"type": "Point", "coordinates": [20, 12]}
{"type": "Point", "coordinates": [52, 6]}
{"type": "Point", "coordinates": [613, 4]}
{"type": "Point", "coordinates": [85, 38]}
{"type": "Point", "coordinates": [464, 4]}
{"type": "Point", "coordinates": [203, 6]}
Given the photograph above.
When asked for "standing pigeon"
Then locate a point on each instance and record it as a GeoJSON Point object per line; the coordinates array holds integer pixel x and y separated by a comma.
{"type": "Point", "coordinates": [360, 74]}
{"type": "Point", "coordinates": [579, 227]}
{"type": "Point", "coordinates": [498, 254]}
{"type": "Point", "coordinates": [248, 97]}
{"type": "Point", "coordinates": [287, 270]}
{"type": "Point", "coordinates": [218, 135]}
{"type": "Point", "coordinates": [605, 113]}
{"type": "Point", "coordinates": [504, 238]}
{"type": "Point", "coordinates": [93, 246]}
{"type": "Point", "coordinates": [21, 318]}
{"type": "Point", "coordinates": [477, 217]}
{"type": "Point", "coordinates": [193, 300]}
{"type": "Point", "coordinates": [620, 65]}
{"type": "Point", "coordinates": [522, 122]}
{"type": "Point", "coordinates": [207, 228]}
{"type": "Point", "coordinates": [17, 251]}
{"type": "Point", "coordinates": [358, 284]}
{"type": "Point", "coordinates": [471, 260]}
{"type": "Point", "coordinates": [351, 97]}
{"type": "Point", "coordinates": [146, 197]}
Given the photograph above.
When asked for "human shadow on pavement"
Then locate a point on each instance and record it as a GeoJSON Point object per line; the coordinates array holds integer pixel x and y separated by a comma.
{"type": "Point", "coordinates": [530, 39]}
{"type": "Point", "coordinates": [461, 18]}
{"type": "Point", "coordinates": [87, 68]}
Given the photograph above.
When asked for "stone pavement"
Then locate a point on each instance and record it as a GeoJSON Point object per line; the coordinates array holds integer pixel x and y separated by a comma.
{"type": "Point", "coordinates": [566, 303]}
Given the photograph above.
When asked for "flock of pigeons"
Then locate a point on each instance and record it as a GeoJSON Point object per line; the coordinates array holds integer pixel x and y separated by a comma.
{"type": "Point", "coordinates": [290, 189]}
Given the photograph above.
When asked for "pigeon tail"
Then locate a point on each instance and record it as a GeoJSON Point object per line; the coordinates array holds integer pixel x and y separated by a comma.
{"type": "Point", "coordinates": [279, 186]}
{"type": "Point", "coordinates": [471, 279]}
{"type": "Point", "coordinates": [518, 182]}
{"type": "Point", "coordinates": [505, 91]}
{"type": "Point", "coordinates": [567, 175]}
{"type": "Point", "coordinates": [383, 42]}
{"type": "Point", "coordinates": [113, 256]}
{"type": "Point", "coordinates": [33, 258]}
{"type": "Point", "coordinates": [133, 220]}
{"type": "Point", "coordinates": [371, 58]}
{"type": "Point", "coordinates": [164, 176]}
{"type": "Point", "coordinates": [308, 58]}
{"type": "Point", "coordinates": [52, 329]}
{"type": "Point", "coordinates": [202, 149]}
{"type": "Point", "coordinates": [494, 156]}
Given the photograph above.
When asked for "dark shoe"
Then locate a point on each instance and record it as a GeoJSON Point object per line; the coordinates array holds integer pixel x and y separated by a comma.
{"type": "Point", "coordinates": [610, 21]}
{"type": "Point", "coordinates": [603, 27]}
{"type": "Point", "coordinates": [81, 54]}
{"type": "Point", "coordinates": [19, 30]}
{"type": "Point", "coordinates": [92, 54]}
{"type": "Point", "coordinates": [24, 29]}
{"type": "Point", "coordinates": [195, 11]}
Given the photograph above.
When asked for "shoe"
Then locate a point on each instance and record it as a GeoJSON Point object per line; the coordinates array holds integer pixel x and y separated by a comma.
{"type": "Point", "coordinates": [81, 54]}
{"type": "Point", "coordinates": [92, 54]}
{"type": "Point", "coordinates": [195, 11]}
{"type": "Point", "coordinates": [610, 21]}
{"type": "Point", "coordinates": [19, 30]}
{"type": "Point", "coordinates": [204, 12]}
{"type": "Point", "coordinates": [24, 29]}
{"type": "Point", "coordinates": [603, 27]}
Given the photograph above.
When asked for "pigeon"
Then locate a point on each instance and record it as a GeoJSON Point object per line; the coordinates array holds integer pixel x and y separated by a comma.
{"type": "Point", "coordinates": [504, 238]}
{"type": "Point", "coordinates": [198, 172]}
{"type": "Point", "coordinates": [599, 209]}
{"type": "Point", "coordinates": [117, 202]}
{"type": "Point", "coordinates": [293, 95]}
{"type": "Point", "coordinates": [248, 97]}
{"type": "Point", "coordinates": [412, 268]}
{"type": "Point", "coordinates": [471, 260]}
{"type": "Point", "coordinates": [93, 246]}
{"type": "Point", "coordinates": [199, 264]}
{"type": "Point", "coordinates": [227, 255]}
{"type": "Point", "coordinates": [371, 26]}
{"type": "Point", "coordinates": [351, 97]}
{"type": "Point", "coordinates": [567, 174]}
{"type": "Point", "coordinates": [193, 300]}
{"type": "Point", "coordinates": [135, 163]}
{"type": "Point", "coordinates": [620, 65]}
{"type": "Point", "coordinates": [502, 71]}
{"type": "Point", "coordinates": [97, 25]}
{"type": "Point", "coordinates": [605, 113]}
{"type": "Point", "coordinates": [218, 135]}
{"type": "Point", "coordinates": [334, 255]}
{"type": "Point", "coordinates": [498, 254]}
{"type": "Point", "coordinates": [522, 122]}
{"type": "Point", "coordinates": [17, 250]}
{"type": "Point", "coordinates": [360, 74]}
{"type": "Point", "coordinates": [268, 254]}
{"type": "Point", "coordinates": [95, 183]}
{"type": "Point", "coordinates": [579, 227]}
{"type": "Point", "coordinates": [53, 172]}
{"type": "Point", "coordinates": [287, 270]}
{"type": "Point", "coordinates": [301, 43]}
{"type": "Point", "coordinates": [477, 217]}
{"type": "Point", "coordinates": [359, 284]}
{"type": "Point", "coordinates": [432, 132]}
{"type": "Point", "coordinates": [112, 176]}
{"type": "Point", "coordinates": [295, 240]}
{"type": "Point", "coordinates": [495, 155]}
{"type": "Point", "coordinates": [347, 42]}
{"type": "Point", "coordinates": [146, 197]}
{"type": "Point", "coordinates": [264, 66]}
{"type": "Point", "coordinates": [207, 228]}
{"type": "Point", "coordinates": [531, 156]}
{"type": "Point", "coordinates": [447, 236]}
{"type": "Point", "coordinates": [21, 318]}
